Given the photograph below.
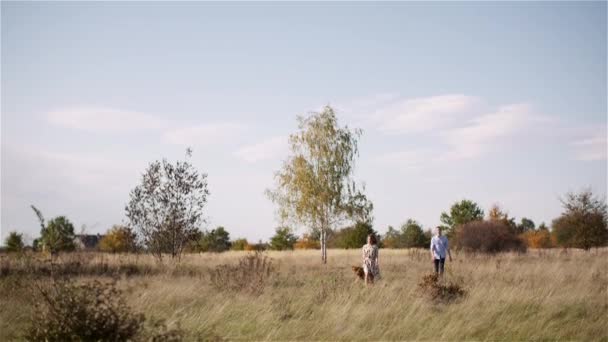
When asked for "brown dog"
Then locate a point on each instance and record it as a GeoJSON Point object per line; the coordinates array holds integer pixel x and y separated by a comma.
{"type": "Point", "coordinates": [361, 274]}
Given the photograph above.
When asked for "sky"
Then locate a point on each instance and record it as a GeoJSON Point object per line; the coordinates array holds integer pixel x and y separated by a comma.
{"type": "Point", "coordinates": [497, 102]}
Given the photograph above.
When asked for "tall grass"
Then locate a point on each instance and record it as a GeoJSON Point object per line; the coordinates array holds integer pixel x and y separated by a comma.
{"type": "Point", "coordinates": [538, 295]}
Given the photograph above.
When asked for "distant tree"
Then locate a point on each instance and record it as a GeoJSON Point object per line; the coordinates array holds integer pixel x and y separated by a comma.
{"type": "Point", "coordinates": [461, 213]}
{"type": "Point", "coordinates": [315, 185]}
{"type": "Point", "coordinates": [14, 242]}
{"type": "Point", "coordinates": [392, 239]}
{"type": "Point", "coordinates": [488, 237]}
{"type": "Point", "coordinates": [260, 246]}
{"type": "Point", "coordinates": [57, 235]}
{"type": "Point", "coordinates": [239, 245]}
{"type": "Point", "coordinates": [167, 207]}
{"type": "Point", "coordinates": [496, 214]}
{"type": "Point", "coordinates": [283, 239]}
{"type": "Point", "coordinates": [526, 225]}
{"type": "Point", "coordinates": [119, 239]}
{"type": "Point", "coordinates": [217, 240]}
{"type": "Point", "coordinates": [583, 224]}
{"type": "Point", "coordinates": [538, 238]}
{"type": "Point", "coordinates": [353, 237]}
{"type": "Point", "coordinates": [413, 236]}
{"type": "Point", "coordinates": [307, 242]}
{"type": "Point", "coordinates": [543, 226]}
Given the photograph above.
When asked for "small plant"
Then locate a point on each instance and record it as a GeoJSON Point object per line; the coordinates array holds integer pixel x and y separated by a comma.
{"type": "Point", "coordinates": [249, 275]}
{"type": "Point", "coordinates": [93, 311]}
{"type": "Point", "coordinates": [437, 290]}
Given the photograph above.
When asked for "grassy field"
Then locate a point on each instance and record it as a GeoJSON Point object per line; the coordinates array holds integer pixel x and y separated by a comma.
{"type": "Point", "coordinates": [548, 295]}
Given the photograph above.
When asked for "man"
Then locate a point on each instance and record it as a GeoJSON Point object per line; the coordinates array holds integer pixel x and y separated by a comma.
{"type": "Point", "coordinates": [439, 248]}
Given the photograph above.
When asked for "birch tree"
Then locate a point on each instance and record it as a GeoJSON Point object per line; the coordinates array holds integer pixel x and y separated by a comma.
{"type": "Point", "coordinates": [315, 186]}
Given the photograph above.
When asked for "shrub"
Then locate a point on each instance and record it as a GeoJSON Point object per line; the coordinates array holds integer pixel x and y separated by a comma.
{"type": "Point", "coordinates": [14, 242]}
{"type": "Point", "coordinates": [249, 275]}
{"type": "Point", "coordinates": [584, 222]}
{"type": "Point", "coordinates": [119, 239]}
{"type": "Point", "coordinates": [488, 237]}
{"type": "Point", "coordinates": [433, 286]}
{"type": "Point", "coordinates": [83, 312]}
{"type": "Point", "coordinates": [239, 245]}
{"type": "Point", "coordinates": [352, 237]}
{"type": "Point", "coordinates": [538, 238]}
{"type": "Point", "coordinates": [217, 240]}
{"type": "Point", "coordinates": [306, 242]}
{"type": "Point", "coordinates": [283, 239]}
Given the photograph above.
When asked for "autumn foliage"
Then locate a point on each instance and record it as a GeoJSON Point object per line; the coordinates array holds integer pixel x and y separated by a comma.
{"type": "Point", "coordinates": [119, 239]}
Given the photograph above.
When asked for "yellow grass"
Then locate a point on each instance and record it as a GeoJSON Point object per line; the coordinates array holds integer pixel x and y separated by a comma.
{"type": "Point", "coordinates": [548, 295]}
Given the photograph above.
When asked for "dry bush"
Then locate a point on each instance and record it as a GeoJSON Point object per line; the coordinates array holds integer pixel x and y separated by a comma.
{"type": "Point", "coordinates": [488, 237]}
{"type": "Point", "coordinates": [92, 311]}
{"type": "Point", "coordinates": [249, 275]}
{"type": "Point", "coordinates": [433, 286]}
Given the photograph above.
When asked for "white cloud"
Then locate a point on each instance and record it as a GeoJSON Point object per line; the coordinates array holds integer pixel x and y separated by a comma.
{"type": "Point", "coordinates": [267, 149]}
{"type": "Point", "coordinates": [422, 114]}
{"type": "Point", "coordinates": [591, 149]}
{"type": "Point", "coordinates": [203, 135]}
{"type": "Point", "coordinates": [103, 119]}
{"type": "Point", "coordinates": [476, 138]}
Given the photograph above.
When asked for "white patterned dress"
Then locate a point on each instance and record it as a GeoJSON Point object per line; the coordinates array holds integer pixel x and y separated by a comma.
{"type": "Point", "coordinates": [370, 260]}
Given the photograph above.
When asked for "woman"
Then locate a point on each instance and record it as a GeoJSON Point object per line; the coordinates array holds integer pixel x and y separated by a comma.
{"type": "Point", "coordinates": [370, 260]}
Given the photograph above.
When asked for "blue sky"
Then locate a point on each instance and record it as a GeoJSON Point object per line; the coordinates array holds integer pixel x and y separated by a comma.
{"type": "Point", "coordinates": [498, 102]}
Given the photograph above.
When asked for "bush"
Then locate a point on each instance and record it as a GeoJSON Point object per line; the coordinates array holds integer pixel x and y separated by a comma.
{"type": "Point", "coordinates": [283, 239]}
{"type": "Point", "coordinates": [306, 242]}
{"type": "Point", "coordinates": [584, 222]}
{"type": "Point", "coordinates": [239, 245]}
{"type": "Point", "coordinates": [119, 239]}
{"type": "Point", "coordinates": [352, 237]}
{"type": "Point", "coordinates": [217, 240]}
{"type": "Point", "coordinates": [249, 275]}
{"type": "Point", "coordinates": [14, 242]}
{"type": "Point", "coordinates": [433, 286]}
{"type": "Point", "coordinates": [83, 312]}
{"type": "Point", "coordinates": [488, 237]}
{"type": "Point", "coordinates": [538, 238]}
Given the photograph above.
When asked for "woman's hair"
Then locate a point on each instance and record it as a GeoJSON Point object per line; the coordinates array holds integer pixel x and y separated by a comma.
{"type": "Point", "coordinates": [372, 239]}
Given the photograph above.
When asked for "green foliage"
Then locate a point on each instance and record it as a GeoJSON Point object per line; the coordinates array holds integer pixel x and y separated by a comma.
{"type": "Point", "coordinates": [409, 236]}
{"type": "Point", "coordinates": [167, 206]}
{"type": "Point", "coordinates": [283, 239]}
{"type": "Point", "coordinates": [239, 245]}
{"type": "Point", "coordinates": [352, 237]}
{"type": "Point", "coordinates": [315, 185]}
{"type": "Point", "coordinates": [119, 239]}
{"type": "Point", "coordinates": [14, 242]}
{"type": "Point", "coordinates": [83, 312]}
{"type": "Point", "coordinates": [392, 238]}
{"type": "Point", "coordinates": [583, 224]}
{"type": "Point", "coordinates": [55, 236]}
{"type": "Point", "coordinates": [413, 236]}
{"type": "Point", "coordinates": [526, 225]}
{"type": "Point", "coordinates": [217, 240]}
{"type": "Point", "coordinates": [461, 213]}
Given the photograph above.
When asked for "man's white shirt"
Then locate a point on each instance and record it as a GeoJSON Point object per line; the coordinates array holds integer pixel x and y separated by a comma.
{"type": "Point", "coordinates": [439, 246]}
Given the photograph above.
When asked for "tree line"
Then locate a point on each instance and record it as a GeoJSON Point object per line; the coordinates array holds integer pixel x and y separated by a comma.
{"type": "Point", "coordinates": [314, 189]}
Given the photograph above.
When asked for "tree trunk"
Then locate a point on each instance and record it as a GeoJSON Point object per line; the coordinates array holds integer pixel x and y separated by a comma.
{"type": "Point", "coordinates": [323, 246]}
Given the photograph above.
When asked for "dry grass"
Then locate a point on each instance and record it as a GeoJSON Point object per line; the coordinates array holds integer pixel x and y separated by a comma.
{"type": "Point", "coordinates": [547, 295]}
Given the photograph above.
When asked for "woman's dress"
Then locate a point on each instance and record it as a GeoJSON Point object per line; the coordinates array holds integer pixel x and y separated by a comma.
{"type": "Point", "coordinates": [370, 260]}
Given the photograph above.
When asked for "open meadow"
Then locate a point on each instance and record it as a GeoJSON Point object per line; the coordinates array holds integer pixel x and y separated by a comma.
{"type": "Point", "coordinates": [540, 295]}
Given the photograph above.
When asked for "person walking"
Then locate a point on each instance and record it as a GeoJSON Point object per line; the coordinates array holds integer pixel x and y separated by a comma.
{"type": "Point", "coordinates": [371, 267]}
{"type": "Point", "coordinates": [439, 248]}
